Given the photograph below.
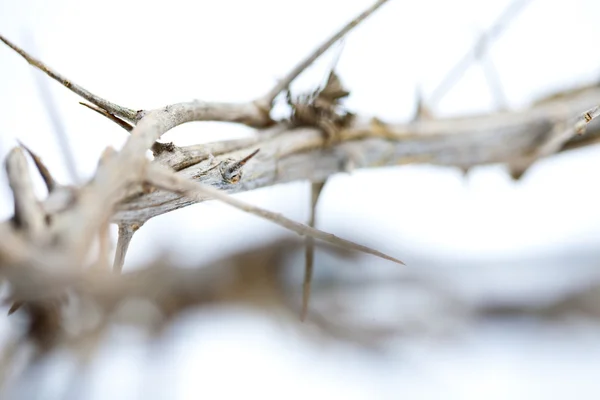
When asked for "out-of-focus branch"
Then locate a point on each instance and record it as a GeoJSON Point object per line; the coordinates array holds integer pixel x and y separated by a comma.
{"type": "Point", "coordinates": [477, 52]}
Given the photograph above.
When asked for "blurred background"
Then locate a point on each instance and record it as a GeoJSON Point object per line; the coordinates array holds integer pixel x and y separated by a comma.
{"type": "Point", "coordinates": [498, 296]}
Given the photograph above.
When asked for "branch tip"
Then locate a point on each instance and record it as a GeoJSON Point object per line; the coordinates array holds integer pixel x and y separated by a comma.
{"type": "Point", "coordinates": [123, 112]}
{"type": "Point", "coordinates": [284, 83]}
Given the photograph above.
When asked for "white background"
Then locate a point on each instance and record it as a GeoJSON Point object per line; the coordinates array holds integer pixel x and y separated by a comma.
{"type": "Point", "coordinates": [144, 54]}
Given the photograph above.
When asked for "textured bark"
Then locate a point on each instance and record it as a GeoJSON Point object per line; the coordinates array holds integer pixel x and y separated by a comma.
{"type": "Point", "coordinates": [509, 138]}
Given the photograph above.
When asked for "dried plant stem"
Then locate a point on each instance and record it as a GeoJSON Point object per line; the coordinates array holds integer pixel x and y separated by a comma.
{"type": "Point", "coordinates": [123, 112]}
{"type": "Point", "coordinates": [163, 178]}
{"type": "Point", "coordinates": [305, 63]}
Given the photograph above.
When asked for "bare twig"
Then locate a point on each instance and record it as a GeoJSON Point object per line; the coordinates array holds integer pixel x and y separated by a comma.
{"type": "Point", "coordinates": [124, 112]}
{"type": "Point", "coordinates": [165, 179]}
{"type": "Point", "coordinates": [315, 192]}
{"type": "Point", "coordinates": [42, 169]}
{"type": "Point", "coordinates": [293, 74]}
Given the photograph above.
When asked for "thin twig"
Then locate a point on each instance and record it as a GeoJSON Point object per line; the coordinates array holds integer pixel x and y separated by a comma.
{"type": "Point", "coordinates": [123, 112]}
{"type": "Point", "coordinates": [284, 83]}
{"type": "Point", "coordinates": [163, 178]}
{"type": "Point", "coordinates": [315, 192]}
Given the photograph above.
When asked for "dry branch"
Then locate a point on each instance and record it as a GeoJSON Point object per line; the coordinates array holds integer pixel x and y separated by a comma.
{"type": "Point", "coordinates": [160, 177]}
{"type": "Point", "coordinates": [75, 88]}
{"type": "Point", "coordinates": [299, 154]}
{"type": "Point", "coordinates": [113, 181]}
{"type": "Point", "coordinates": [39, 270]}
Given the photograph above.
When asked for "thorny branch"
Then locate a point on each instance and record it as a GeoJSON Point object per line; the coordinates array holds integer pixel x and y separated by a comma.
{"type": "Point", "coordinates": [47, 243]}
{"type": "Point", "coordinates": [117, 173]}
{"type": "Point", "coordinates": [72, 86]}
{"type": "Point", "coordinates": [162, 178]}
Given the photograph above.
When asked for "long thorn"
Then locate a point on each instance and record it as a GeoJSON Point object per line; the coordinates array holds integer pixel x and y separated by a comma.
{"type": "Point", "coordinates": [315, 192]}
{"type": "Point", "coordinates": [123, 124]}
{"type": "Point", "coordinates": [156, 148]}
{"type": "Point", "coordinates": [41, 167]}
{"type": "Point", "coordinates": [161, 177]}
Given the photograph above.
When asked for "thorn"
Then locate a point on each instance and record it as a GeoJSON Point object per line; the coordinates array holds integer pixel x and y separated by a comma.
{"type": "Point", "coordinates": [421, 110]}
{"type": "Point", "coordinates": [315, 190]}
{"type": "Point", "coordinates": [231, 172]}
{"type": "Point", "coordinates": [126, 232]}
{"type": "Point", "coordinates": [517, 172]}
{"type": "Point", "coordinates": [123, 124]}
{"type": "Point", "coordinates": [15, 306]}
{"type": "Point", "coordinates": [41, 167]}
